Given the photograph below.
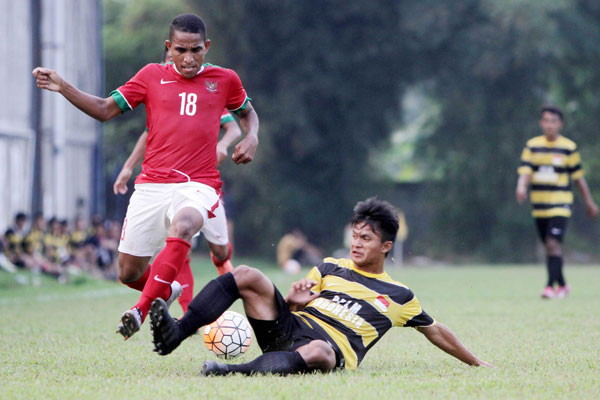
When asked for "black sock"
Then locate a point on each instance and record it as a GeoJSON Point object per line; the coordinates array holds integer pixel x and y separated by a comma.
{"type": "Point", "coordinates": [276, 362]}
{"type": "Point", "coordinates": [550, 266]}
{"type": "Point", "coordinates": [208, 305]}
{"type": "Point", "coordinates": [555, 264]}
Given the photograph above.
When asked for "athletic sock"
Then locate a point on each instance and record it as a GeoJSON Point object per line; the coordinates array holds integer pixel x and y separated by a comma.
{"type": "Point", "coordinates": [164, 270]}
{"type": "Point", "coordinates": [186, 278]}
{"type": "Point", "coordinates": [276, 362]}
{"type": "Point", "coordinates": [208, 305]}
{"type": "Point", "coordinates": [140, 283]}
{"type": "Point", "coordinates": [555, 263]}
{"type": "Point", "coordinates": [219, 263]}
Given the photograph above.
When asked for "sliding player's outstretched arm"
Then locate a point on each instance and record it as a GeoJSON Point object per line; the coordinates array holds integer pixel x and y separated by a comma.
{"type": "Point", "coordinates": [94, 106]}
{"type": "Point", "coordinates": [244, 150]}
{"type": "Point", "coordinates": [441, 336]}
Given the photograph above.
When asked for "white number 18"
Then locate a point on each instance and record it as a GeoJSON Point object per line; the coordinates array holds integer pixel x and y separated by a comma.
{"type": "Point", "coordinates": [188, 106]}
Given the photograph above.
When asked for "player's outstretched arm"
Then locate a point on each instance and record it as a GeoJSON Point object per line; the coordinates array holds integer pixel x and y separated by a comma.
{"type": "Point", "coordinates": [522, 185]}
{"type": "Point", "coordinates": [441, 336]}
{"type": "Point", "coordinates": [232, 133]}
{"type": "Point", "coordinates": [244, 150]}
{"type": "Point", "coordinates": [590, 204]}
{"type": "Point", "coordinates": [94, 106]}
{"type": "Point", "coordinates": [137, 155]}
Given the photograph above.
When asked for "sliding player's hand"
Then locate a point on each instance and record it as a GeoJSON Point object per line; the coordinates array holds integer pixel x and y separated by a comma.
{"type": "Point", "coordinates": [300, 294]}
{"type": "Point", "coordinates": [48, 79]}
{"type": "Point", "coordinates": [244, 150]}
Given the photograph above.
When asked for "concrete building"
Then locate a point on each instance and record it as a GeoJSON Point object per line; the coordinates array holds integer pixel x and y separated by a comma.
{"type": "Point", "coordinates": [50, 153]}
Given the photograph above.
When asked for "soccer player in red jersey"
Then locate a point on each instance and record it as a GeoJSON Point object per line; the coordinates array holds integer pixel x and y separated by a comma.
{"type": "Point", "coordinates": [215, 230]}
{"type": "Point", "coordinates": [178, 189]}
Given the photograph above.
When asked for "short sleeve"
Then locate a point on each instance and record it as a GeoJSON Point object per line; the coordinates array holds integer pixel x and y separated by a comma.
{"type": "Point", "coordinates": [574, 165]}
{"type": "Point", "coordinates": [525, 166]}
{"type": "Point", "coordinates": [236, 96]}
{"type": "Point", "coordinates": [132, 93]}
{"type": "Point", "coordinates": [410, 314]}
{"type": "Point", "coordinates": [315, 275]}
{"type": "Point", "coordinates": [226, 117]}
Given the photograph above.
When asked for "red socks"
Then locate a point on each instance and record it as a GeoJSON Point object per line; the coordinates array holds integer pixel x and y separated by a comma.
{"type": "Point", "coordinates": [164, 269]}
{"type": "Point", "coordinates": [186, 278]}
{"type": "Point", "coordinates": [140, 283]}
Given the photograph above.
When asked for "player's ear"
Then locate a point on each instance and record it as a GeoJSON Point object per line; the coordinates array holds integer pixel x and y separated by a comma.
{"type": "Point", "coordinates": [206, 45]}
{"type": "Point", "coordinates": [386, 246]}
{"type": "Point", "coordinates": [168, 44]}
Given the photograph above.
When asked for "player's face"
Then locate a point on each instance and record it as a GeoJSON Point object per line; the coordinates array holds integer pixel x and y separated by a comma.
{"type": "Point", "coordinates": [366, 247]}
{"type": "Point", "coordinates": [188, 51]}
{"type": "Point", "coordinates": [550, 124]}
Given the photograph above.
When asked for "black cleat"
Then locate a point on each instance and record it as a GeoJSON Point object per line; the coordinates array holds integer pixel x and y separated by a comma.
{"type": "Point", "coordinates": [165, 329]}
{"type": "Point", "coordinates": [214, 368]}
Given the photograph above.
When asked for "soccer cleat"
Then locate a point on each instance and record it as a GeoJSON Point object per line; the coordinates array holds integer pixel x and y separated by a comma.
{"type": "Point", "coordinates": [165, 330]}
{"type": "Point", "coordinates": [562, 291]}
{"type": "Point", "coordinates": [176, 291]}
{"type": "Point", "coordinates": [214, 368]}
{"type": "Point", "coordinates": [226, 267]}
{"type": "Point", "coordinates": [131, 320]}
{"type": "Point", "coordinates": [548, 293]}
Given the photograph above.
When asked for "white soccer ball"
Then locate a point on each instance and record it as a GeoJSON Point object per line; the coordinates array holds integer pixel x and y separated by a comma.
{"type": "Point", "coordinates": [229, 336]}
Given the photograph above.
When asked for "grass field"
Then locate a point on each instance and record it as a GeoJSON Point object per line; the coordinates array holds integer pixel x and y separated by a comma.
{"type": "Point", "coordinates": [58, 342]}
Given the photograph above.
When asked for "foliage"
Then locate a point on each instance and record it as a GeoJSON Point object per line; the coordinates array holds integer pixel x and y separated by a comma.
{"type": "Point", "coordinates": [328, 79]}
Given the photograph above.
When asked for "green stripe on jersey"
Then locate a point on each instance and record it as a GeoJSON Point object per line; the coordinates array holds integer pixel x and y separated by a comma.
{"type": "Point", "coordinates": [242, 107]}
{"type": "Point", "coordinates": [120, 100]}
{"type": "Point", "coordinates": [227, 118]}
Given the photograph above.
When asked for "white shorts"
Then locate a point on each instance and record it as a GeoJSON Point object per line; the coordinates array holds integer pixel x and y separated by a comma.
{"type": "Point", "coordinates": [153, 206]}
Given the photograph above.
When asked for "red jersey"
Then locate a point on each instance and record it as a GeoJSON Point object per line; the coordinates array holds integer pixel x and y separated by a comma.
{"type": "Point", "coordinates": [183, 117]}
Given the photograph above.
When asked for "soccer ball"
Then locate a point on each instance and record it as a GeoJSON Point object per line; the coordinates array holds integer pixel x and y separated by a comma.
{"type": "Point", "coordinates": [229, 336]}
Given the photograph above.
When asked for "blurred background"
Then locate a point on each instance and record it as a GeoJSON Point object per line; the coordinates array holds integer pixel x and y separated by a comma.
{"type": "Point", "coordinates": [426, 104]}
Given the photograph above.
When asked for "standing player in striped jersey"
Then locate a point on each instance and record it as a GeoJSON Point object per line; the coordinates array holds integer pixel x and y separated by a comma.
{"type": "Point", "coordinates": [328, 320]}
{"type": "Point", "coordinates": [178, 189]}
{"type": "Point", "coordinates": [550, 163]}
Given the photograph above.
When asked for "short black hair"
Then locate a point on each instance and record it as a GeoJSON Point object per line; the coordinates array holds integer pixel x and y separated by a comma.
{"type": "Point", "coordinates": [21, 216]}
{"type": "Point", "coordinates": [380, 215]}
{"type": "Point", "coordinates": [188, 23]}
{"type": "Point", "coordinates": [553, 109]}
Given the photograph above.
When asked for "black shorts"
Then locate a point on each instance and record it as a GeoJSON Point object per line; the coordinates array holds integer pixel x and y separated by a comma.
{"type": "Point", "coordinates": [289, 332]}
{"type": "Point", "coordinates": [553, 227]}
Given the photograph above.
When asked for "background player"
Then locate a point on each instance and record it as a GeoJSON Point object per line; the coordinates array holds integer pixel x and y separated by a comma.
{"type": "Point", "coordinates": [550, 162]}
{"type": "Point", "coordinates": [353, 305]}
{"type": "Point", "coordinates": [215, 231]}
{"type": "Point", "coordinates": [179, 186]}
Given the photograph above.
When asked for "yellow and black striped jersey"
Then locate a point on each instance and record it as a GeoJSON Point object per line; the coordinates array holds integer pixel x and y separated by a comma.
{"type": "Point", "coordinates": [552, 166]}
{"type": "Point", "coordinates": [357, 308]}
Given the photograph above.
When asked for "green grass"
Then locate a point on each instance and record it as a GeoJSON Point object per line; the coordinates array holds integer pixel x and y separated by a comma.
{"type": "Point", "coordinates": [58, 342]}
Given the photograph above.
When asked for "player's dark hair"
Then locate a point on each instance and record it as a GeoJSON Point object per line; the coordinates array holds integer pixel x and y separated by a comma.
{"type": "Point", "coordinates": [553, 109]}
{"type": "Point", "coordinates": [21, 216]}
{"type": "Point", "coordinates": [188, 23]}
{"type": "Point", "coordinates": [380, 215]}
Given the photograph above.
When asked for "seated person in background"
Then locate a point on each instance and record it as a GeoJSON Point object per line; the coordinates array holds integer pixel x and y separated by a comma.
{"type": "Point", "coordinates": [294, 250]}
{"type": "Point", "coordinates": [14, 237]}
{"type": "Point", "coordinates": [56, 243]}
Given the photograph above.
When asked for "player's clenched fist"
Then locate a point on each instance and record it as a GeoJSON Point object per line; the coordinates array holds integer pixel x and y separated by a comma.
{"type": "Point", "coordinates": [244, 150]}
{"type": "Point", "coordinates": [48, 79]}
